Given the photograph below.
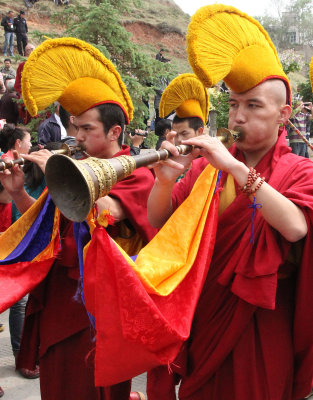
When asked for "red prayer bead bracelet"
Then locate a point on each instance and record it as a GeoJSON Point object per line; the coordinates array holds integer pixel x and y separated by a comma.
{"type": "Point", "coordinates": [252, 178]}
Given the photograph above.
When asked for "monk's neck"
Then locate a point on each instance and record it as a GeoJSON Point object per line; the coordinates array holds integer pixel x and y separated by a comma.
{"type": "Point", "coordinates": [111, 151]}
{"type": "Point", "coordinates": [254, 157]}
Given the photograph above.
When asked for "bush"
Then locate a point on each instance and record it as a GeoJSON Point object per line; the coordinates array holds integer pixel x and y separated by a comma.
{"type": "Point", "coordinates": [165, 28]}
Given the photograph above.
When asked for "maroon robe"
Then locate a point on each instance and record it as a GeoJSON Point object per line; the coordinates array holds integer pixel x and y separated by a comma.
{"type": "Point", "coordinates": [5, 216]}
{"type": "Point", "coordinates": [57, 331]}
{"type": "Point", "coordinates": [252, 334]}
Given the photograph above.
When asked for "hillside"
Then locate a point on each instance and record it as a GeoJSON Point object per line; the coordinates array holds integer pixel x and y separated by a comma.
{"type": "Point", "coordinates": [152, 25]}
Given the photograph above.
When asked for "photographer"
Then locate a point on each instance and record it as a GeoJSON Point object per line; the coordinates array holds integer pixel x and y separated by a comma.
{"type": "Point", "coordinates": [137, 137]}
{"type": "Point", "coordinates": [7, 23]}
{"type": "Point", "coordinates": [302, 114]}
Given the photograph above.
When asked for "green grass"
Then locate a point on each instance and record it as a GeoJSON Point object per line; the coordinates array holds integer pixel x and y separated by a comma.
{"type": "Point", "coordinates": [159, 13]}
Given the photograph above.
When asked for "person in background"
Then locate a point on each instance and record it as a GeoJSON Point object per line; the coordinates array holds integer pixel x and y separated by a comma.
{"type": "Point", "coordinates": [162, 128]}
{"type": "Point", "coordinates": [14, 139]}
{"type": "Point", "coordinates": [7, 23]}
{"type": "Point", "coordinates": [2, 86]}
{"type": "Point", "coordinates": [67, 121]}
{"type": "Point", "coordinates": [34, 177]}
{"type": "Point", "coordinates": [308, 127]}
{"type": "Point", "coordinates": [136, 138]}
{"type": "Point", "coordinates": [21, 30]}
{"type": "Point", "coordinates": [187, 96]}
{"type": "Point", "coordinates": [23, 113]}
{"type": "Point", "coordinates": [28, 49]}
{"type": "Point", "coordinates": [160, 57]}
{"type": "Point", "coordinates": [7, 71]}
{"type": "Point", "coordinates": [5, 218]}
{"type": "Point", "coordinates": [302, 114]}
{"type": "Point", "coordinates": [17, 139]}
{"type": "Point", "coordinates": [9, 107]}
{"type": "Point", "coordinates": [52, 130]}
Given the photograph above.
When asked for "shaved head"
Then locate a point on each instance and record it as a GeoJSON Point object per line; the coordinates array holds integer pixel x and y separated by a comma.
{"type": "Point", "coordinates": [276, 89]}
{"type": "Point", "coordinates": [28, 49]}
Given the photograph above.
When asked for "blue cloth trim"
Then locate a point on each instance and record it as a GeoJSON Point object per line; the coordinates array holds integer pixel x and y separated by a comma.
{"type": "Point", "coordinates": [218, 180]}
{"type": "Point", "coordinates": [37, 237]}
{"type": "Point", "coordinates": [82, 237]}
{"type": "Point", "coordinates": [254, 206]}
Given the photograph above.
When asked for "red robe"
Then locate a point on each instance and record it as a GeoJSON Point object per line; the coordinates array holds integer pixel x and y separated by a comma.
{"type": "Point", "coordinates": [252, 334]}
{"type": "Point", "coordinates": [5, 216]}
{"type": "Point", "coordinates": [23, 113]}
{"type": "Point", "coordinates": [5, 208]}
{"type": "Point", "coordinates": [57, 330]}
{"type": "Point", "coordinates": [18, 79]}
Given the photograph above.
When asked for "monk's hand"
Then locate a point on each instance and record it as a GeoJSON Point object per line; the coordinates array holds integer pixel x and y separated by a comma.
{"type": "Point", "coordinates": [214, 151]}
{"type": "Point", "coordinates": [169, 170]}
{"type": "Point", "coordinates": [12, 179]}
{"type": "Point", "coordinates": [39, 157]}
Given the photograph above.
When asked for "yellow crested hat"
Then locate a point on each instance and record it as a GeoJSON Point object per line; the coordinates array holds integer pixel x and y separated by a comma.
{"type": "Point", "coordinates": [225, 43]}
{"type": "Point", "coordinates": [187, 96]}
{"type": "Point", "coordinates": [75, 74]}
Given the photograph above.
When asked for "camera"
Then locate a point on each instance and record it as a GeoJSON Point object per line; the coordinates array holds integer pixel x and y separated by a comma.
{"type": "Point", "coordinates": [140, 133]}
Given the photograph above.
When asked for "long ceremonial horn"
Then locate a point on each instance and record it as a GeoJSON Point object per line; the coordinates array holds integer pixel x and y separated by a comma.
{"type": "Point", "coordinates": [65, 149]}
{"type": "Point", "coordinates": [74, 186]}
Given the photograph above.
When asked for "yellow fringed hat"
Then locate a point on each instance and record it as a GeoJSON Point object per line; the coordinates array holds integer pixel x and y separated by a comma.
{"type": "Point", "coordinates": [75, 74]}
{"type": "Point", "coordinates": [187, 96]}
{"type": "Point", "coordinates": [224, 43]}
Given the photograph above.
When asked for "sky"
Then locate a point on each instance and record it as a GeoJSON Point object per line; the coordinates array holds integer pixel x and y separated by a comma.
{"type": "Point", "coordinates": [251, 7]}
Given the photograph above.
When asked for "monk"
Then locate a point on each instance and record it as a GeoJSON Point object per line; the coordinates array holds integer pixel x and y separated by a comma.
{"type": "Point", "coordinates": [252, 334]}
{"type": "Point", "coordinates": [58, 332]}
{"type": "Point", "coordinates": [57, 329]}
{"type": "Point", "coordinates": [247, 333]}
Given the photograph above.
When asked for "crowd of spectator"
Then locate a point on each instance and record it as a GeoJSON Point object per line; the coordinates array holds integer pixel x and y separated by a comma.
{"type": "Point", "coordinates": [14, 26]}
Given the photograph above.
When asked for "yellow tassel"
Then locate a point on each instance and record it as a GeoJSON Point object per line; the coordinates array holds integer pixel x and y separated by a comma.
{"type": "Point", "coordinates": [224, 43]}
{"type": "Point", "coordinates": [57, 63]}
{"type": "Point", "coordinates": [187, 95]}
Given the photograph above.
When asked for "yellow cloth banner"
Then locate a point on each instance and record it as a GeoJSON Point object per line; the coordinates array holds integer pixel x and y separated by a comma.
{"type": "Point", "coordinates": [167, 259]}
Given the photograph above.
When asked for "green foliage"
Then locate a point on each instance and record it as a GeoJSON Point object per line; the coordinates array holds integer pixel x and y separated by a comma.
{"type": "Point", "coordinates": [274, 28]}
{"type": "Point", "coordinates": [166, 28]}
{"type": "Point", "coordinates": [18, 58]}
{"type": "Point", "coordinates": [156, 13]}
{"type": "Point", "coordinates": [302, 9]}
{"type": "Point", "coordinates": [100, 26]}
{"type": "Point", "coordinates": [151, 140]}
{"type": "Point", "coordinates": [221, 106]}
{"type": "Point", "coordinates": [305, 90]}
{"type": "Point", "coordinates": [41, 36]}
{"type": "Point", "coordinates": [291, 61]}
{"type": "Point", "coordinates": [297, 15]}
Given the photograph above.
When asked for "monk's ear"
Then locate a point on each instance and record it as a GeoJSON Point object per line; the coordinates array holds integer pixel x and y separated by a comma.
{"type": "Point", "coordinates": [199, 131]}
{"type": "Point", "coordinates": [115, 132]}
{"type": "Point", "coordinates": [284, 114]}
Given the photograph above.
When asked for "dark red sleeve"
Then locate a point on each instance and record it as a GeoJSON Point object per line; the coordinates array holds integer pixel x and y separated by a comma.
{"type": "Point", "coordinates": [133, 193]}
{"type": "Point", "coordinates": [17, 85]}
